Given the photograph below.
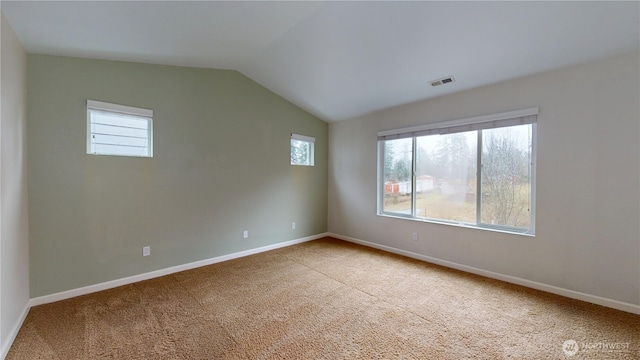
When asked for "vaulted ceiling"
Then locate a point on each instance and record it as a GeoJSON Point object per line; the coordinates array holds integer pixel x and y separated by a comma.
{"type": "Point", "coordinates": [337, 60]}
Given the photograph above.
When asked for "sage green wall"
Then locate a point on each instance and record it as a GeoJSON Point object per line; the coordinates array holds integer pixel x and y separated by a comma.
{"type": "Point", "coordinates": [220, 166]}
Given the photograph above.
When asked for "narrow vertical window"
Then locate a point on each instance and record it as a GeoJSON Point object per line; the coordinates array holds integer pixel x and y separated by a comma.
{"type": "Point", "coordinates": [398, 169]}
{"type": "Point", "coordinates": [302, 150]}
{"type": "Point", "coordinates": [119, 130]}
{"type": "Point", "coordinates": [506, 176]}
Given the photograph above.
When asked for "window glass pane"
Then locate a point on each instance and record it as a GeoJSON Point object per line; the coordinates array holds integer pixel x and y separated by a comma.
{"type": "Point", "coordinates": [446, 177]}
{"type": "Point", "coordinates": [480, 175]}
{"type": "Point", "coordinates": [506, 176]}
{"type": "Point", "coordinates": [397, 176]}
{"type": "Point", "coordinates": [119, 134]}
{"type": "Point", "coordinates": [301, 152]}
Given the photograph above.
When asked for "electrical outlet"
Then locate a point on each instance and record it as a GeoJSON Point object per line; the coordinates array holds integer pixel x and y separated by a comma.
{"type": "Point", "coordinates": [293, 226]}
{"type": "Point", "coordinates": [245, 234]}
{"type": "Point", "coordinates": [414, 237]}
{"type": "Point", "coordinates": [146, 251]}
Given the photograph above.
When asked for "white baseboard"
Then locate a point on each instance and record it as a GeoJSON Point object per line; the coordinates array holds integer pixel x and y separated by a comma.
{"type": "Point", "coordinates": [162, 272]}
{"type": "Point", "coordinates": [619, 305]}
{"type": "Point", "coordinates": [4, 349]}
{"type": "Point", "coordinates": [615, 304]}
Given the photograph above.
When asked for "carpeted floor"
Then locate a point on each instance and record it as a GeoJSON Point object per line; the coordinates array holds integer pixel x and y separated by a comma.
{"type": "Point", "coordinates": [325, 299]}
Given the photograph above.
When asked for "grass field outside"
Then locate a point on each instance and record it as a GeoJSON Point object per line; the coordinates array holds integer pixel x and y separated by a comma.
{"type": "Point", "coordinates": [508, 208]}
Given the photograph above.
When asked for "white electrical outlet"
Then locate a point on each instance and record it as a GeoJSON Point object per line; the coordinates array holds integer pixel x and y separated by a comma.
{"type": "Point", "coordinates": [414, 237]}
{"type": "Point", "coordinates": [146, 251]}
{"type": "Point", "coordinates": [245, 234]}
{"type": "Point", "coordinates": [293, 226]}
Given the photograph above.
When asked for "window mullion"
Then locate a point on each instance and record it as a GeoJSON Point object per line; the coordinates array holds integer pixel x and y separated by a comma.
{"type": "Point", "coordinates": [532, 179]}
{"type": "Point", "coordinates": [413, 177]}
{"type": "Point", "coordinates": [479, 179]}
{"type": "Point", "coordinates": [381, 159]}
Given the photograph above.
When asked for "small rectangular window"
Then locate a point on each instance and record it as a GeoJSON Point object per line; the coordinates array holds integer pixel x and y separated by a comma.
{"type": "Point", "coordinates": [119, 130]}
{"type": "Point", "coordinates": [302, 148]}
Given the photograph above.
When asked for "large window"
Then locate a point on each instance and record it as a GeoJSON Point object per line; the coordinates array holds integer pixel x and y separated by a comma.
{"type": "Point", "coordinates": [120, 130]}
{"type": "Point", "coordinates": [476, 172]}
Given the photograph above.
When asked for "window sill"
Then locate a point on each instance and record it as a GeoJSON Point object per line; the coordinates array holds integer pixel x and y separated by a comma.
{"type": "Point", "coordinates": [460, 225]}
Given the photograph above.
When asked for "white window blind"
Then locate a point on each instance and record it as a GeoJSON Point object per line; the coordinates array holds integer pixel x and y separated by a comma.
{"type": "Point", "coordinates": [511, 118]}
{"type": "Point", "coordinates": [303, 138]}
{"type": "Point", "coordinates": [119, 130]}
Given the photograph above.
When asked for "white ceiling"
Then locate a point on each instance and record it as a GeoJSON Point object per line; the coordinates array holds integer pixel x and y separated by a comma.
{"type": "Point", "coordinates": [338, 60]}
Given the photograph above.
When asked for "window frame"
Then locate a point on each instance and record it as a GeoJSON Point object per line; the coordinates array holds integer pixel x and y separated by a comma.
{"type": "Point", "coordinates": [311, 152]}
{"type": "Point", "coordinates": [479, 123]}
{"type": "Point", "coordinates": [140, 113]}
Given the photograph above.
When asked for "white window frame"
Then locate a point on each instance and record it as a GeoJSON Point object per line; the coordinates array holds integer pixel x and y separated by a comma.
{"type": "Point", "coordinates": [146, 114]}
{"type": "Point", "coordinates": [311, 154]}
{"type": "Point", "coordinates": [505, 119]}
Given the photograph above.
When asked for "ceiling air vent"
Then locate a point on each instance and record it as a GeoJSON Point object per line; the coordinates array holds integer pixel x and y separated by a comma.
{"type": "Point", "coordinates": [442, 81]}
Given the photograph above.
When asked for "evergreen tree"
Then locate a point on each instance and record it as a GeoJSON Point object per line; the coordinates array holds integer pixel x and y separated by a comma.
{"type": "Point", "coordinates": [299, 152]}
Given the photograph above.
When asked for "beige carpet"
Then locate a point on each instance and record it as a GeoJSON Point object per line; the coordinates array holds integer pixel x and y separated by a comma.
{"type": "Point", "coordinates": [324, 299]}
